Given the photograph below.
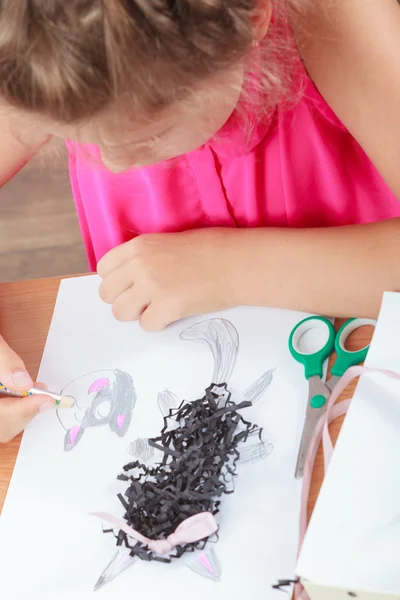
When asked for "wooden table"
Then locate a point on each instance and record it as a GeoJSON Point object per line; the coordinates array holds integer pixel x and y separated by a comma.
{"type": "Point", "coordinates": [25, 313]}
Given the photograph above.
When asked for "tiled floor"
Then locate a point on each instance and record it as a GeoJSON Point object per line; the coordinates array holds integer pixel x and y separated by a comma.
{"type": "Point", "coordinates": [40, 234]}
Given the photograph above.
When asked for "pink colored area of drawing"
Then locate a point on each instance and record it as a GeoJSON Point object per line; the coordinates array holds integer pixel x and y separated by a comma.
{"type": "Point", "coordinates": [206, 563]}
{"type": "Point", "coordinates": [120, 421]}
{"type": "Point", "coordinates": [98, 385]}
{"type": "Point", "coordinates": [73, 433]}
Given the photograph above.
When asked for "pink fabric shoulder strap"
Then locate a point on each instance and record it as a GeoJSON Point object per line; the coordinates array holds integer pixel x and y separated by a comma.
{"type": "Point", "coordinates": [322, 432]}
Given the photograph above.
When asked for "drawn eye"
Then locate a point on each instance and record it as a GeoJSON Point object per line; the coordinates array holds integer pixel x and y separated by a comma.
{"type": "Point", "coordinates": [103, 409]}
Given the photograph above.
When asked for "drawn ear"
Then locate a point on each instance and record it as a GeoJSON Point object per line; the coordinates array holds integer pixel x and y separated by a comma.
{"type": "Point", "coordinates": [206, 564]}
{"type": "Point", "coordinates": [98, 385]}
{"type": "Point", "coordinates": [72, 437]}
{"type": "Point", "coordinates": [118, 564]}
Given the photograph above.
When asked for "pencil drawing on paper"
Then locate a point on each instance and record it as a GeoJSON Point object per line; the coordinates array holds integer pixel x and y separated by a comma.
{"type": "Point", "coordinates": [185, 472]}
{"type": "Point", "coordinates": [141, 449]}
{"type": "Point", "coordinates": [102, 399]}
{"type": "Point", "coordinates": [222, 339]}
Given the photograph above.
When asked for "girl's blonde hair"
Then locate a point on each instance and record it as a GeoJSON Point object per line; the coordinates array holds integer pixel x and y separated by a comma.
{"type": "Point", "coordinates": [70, 60]}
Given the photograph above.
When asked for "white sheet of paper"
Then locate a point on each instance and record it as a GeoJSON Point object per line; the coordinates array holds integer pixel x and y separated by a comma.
{"type": "Point", "coordinates": [51, 549]}
{"type": "Point", "coordinates": [353, 540]}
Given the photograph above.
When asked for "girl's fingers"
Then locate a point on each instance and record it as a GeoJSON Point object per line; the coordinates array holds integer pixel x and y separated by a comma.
{"type": "Point", "coordinates": [129, 305]}
{"type": "Point", "coordinates": [114, 259]}
{"type": "Point", "coordinates": [157, 316]}
{"type": "Point", "coordinates": [16, 413]}
{"type": "Point", "coordinates": [13, 373]}
{"type": "Point", "coordinates": [116, 283]}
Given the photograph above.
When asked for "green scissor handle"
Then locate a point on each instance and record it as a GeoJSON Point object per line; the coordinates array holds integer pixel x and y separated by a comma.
{"type": "Point", "coordinates": [345, 358]}
{"type": "Point", "coordinates": [313, 362]}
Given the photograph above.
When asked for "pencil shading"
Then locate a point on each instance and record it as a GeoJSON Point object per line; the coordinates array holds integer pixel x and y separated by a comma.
{"type": "Point", "coordinates": [167, 401]}
{"type": "Point", "coordinates": [223, 340]}
{"type": "Point", "coordinates": [120, 562]}
{"type": "Point", "coordinates": [255, 453]}
{"type": "Point", "coordinates": [259, 387]}
{"type": "Point", "coordinates": [141, 449]}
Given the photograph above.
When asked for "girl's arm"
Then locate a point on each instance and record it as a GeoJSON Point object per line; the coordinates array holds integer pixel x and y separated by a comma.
{"type": "Point", "coordinates": [338, 271]}
{"type": "Point", "coordinates": [16, 149]}
{"type": "Point", "coordinates": [351, 49]}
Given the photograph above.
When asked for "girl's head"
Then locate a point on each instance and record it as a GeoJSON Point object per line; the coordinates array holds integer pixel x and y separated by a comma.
{"type": "Point", "coordinates": [145, 80]}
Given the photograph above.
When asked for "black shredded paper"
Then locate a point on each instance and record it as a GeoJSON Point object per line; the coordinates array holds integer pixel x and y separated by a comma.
{"type": "Point", "coordinates": [199, 443]}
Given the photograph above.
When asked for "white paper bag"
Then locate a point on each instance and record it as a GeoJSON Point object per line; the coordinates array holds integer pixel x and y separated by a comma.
{"type": "Point", "coordinates": [352, 546]}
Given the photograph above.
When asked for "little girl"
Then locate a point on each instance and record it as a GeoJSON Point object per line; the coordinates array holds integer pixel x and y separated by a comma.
{"type": "Point", "coordinates": [222, 152]}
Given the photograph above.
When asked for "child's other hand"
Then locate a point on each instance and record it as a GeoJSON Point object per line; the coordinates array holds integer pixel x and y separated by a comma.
{"type": "Point", "coordinates": [15, 413]}
{"type": "Point", "coordinates": [160, 278]}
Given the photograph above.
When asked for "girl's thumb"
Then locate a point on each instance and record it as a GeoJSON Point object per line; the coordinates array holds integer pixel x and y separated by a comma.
{"type": "Point", "coordinates": [13, 373]}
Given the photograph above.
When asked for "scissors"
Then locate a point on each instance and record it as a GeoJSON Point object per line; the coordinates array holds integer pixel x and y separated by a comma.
{"type": "Point", "coordinates": [313, 362]}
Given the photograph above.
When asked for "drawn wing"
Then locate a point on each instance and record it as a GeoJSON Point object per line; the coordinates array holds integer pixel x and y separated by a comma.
{"type": "Point", "coordinates": [167, 401]}
{"type": "Point", "coordinates": [206, 564]}
{"type": "Point", "coordinates": [120, 562]}
{"type": "Point", "coordinates": [222, 339]}
{"type": "Point", "coordinates": [259, 387]}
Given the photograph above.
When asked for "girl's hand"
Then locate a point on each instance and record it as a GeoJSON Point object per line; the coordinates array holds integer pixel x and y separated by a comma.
{"type": "Point", "coordinates": [327, 271]}
{"type": "Point", "coordinates": [160, 278]}
{"type": "Point", "coordinates": [15, 413]}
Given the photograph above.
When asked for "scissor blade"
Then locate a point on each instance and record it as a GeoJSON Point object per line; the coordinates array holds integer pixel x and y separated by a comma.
{"type": "Point", "coordinates": [330, 384]}
{"type": "Point", "coordinates": [313, 415]}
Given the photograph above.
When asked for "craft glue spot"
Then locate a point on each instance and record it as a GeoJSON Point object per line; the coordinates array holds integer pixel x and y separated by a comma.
{"type": "Point", "coordinates": [73, 433]}
{"type": "Point", "coordinates": [98, 385]}
{"type": "Point", "coordinates": [120, 421]}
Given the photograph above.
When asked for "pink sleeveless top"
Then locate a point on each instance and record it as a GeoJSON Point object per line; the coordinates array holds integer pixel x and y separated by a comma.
{"type": "Point", "coordinates": [299, 168]}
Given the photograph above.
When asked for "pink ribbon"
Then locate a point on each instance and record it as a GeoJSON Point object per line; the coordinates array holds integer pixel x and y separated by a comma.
{"type": "Point", "coordinates": [322, 432]}
{"type": "Point", "coordinates": [193, 529]}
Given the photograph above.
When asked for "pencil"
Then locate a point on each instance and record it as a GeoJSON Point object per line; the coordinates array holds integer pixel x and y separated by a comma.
{"type": "Point", "coordinates": [60, 401]}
